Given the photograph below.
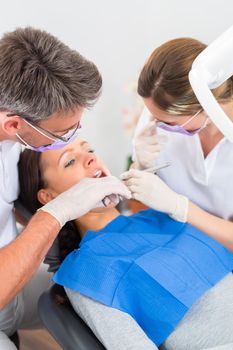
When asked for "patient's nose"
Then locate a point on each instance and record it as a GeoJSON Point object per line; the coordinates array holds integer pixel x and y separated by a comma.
{"type": "Point", "coordinates": [89, 160]}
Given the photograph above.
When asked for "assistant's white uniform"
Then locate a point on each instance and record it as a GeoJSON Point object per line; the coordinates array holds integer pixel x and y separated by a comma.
{"type": "Point", "coordinates": [21, 312]}
{"type": "Point", "coordinates": [207, 182]}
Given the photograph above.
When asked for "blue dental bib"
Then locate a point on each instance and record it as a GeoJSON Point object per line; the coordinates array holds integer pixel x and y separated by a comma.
{"type": "Point", "coordinates": [148, 265]}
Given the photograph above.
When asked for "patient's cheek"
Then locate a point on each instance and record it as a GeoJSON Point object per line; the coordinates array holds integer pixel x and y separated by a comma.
{"type": "Point", "coordinates": [66, 182]}
{"type": "Point", "coordinates": [107, 172]}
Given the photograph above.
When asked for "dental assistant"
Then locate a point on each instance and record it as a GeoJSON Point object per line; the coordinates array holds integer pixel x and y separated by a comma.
{"type": "Point", "coordinates": [197, 186]}
{"type": "Point", "coordinates": [44, 88]}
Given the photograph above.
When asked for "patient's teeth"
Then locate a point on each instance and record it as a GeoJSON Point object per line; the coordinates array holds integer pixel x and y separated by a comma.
{"type": "Point", "coordinates": [98, 173]}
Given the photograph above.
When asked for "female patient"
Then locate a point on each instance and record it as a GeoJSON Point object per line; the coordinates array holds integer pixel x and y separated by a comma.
{"type": "Point", "coordinates": [166, 282]}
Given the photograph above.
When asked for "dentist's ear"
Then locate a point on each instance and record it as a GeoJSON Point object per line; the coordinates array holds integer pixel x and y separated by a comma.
{"type": "Point", "coordinates": [44, 196]}
{"type": "Point", "coordinates": [11, 125]}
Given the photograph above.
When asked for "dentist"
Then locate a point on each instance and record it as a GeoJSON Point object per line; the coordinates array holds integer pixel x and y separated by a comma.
{"type": "Point", "coordinates": [44, 88]}
{"type": "Point", "coordinates": [197, 186]}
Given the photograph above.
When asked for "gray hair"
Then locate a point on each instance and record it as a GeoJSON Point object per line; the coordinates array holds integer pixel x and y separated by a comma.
{"type": "Point", "coordinates": [39, 75]}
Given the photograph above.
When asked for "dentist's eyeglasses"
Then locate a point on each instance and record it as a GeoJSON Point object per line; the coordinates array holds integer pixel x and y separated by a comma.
{"type": "Point", "coordinates": [51, 135]}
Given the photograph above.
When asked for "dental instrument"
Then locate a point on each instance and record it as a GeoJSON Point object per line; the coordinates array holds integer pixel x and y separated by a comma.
{"type": "Point", "coordinates": [117, 198]}
{"type": "Point", "coordinates": [156, 168]}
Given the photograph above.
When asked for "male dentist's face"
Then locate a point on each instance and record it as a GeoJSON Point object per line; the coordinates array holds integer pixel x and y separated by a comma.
{"type": "Point", "coordinates": [42, 133]}
{"type": "Point", "coordinates": [65, 167]}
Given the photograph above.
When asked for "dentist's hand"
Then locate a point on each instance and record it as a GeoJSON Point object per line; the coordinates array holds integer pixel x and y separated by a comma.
{"type": "Point", "coordinates": [147, 145]}
{"type": "Point", "coordinates": [149, 189]}
{"type": "Point", "coordinates": [86, 195]}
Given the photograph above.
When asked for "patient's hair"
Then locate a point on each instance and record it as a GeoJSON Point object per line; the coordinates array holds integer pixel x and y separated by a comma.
{"type": "Point", "coordinates": [31, 181]}
{"type": "Point", "coordinates": [164, 77]}
{"type": "Point", "coordinates": [40, 76]}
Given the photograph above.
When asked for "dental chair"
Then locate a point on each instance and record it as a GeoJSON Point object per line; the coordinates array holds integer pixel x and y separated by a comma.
{"type": "Point", "coordinates": [66, 327]}
{"type": "Point", "coordinates": [62, 322]}
{"type": "Point", "coordinates": [15, 339]}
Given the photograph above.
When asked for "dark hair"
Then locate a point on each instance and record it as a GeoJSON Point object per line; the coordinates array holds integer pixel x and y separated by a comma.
{"type": "Point", "coordinates": [31, 181]}
{"type": "Point", "coordinates": [39, 75]}
{"type": "Point", "coordinates": [164, 77]}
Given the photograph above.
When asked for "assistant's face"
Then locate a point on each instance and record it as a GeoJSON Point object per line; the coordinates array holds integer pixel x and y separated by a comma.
{"type": "Point", "coordinates": [65, 167]}
{"type": "Point", "coordinates": [162, 116]}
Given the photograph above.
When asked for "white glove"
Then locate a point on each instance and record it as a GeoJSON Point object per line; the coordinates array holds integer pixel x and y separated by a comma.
{"type": "Point", "coordinates": [89, 193]}
{"type": "Point", "coordinates": [149, 189]}
{"type": "Point", "coordinates": [147, 146]}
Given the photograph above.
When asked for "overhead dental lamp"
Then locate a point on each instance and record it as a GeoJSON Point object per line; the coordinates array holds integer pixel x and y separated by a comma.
{"type": "Point", "coordinates": [210, 69]}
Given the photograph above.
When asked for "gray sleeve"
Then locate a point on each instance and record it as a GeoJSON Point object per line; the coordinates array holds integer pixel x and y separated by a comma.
{"type": "Point", "coordinates": [208, 325]}
{"type": "Point", "coordinates": [221, 347]}
{"type": "Point", "coordinates": [115, 329]}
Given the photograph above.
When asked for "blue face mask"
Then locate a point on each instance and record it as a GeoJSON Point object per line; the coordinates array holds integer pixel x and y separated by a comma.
{"type": "Point", "coordinates": [58, 141]}
{"type": "Point", "coordinates": [180, 128]}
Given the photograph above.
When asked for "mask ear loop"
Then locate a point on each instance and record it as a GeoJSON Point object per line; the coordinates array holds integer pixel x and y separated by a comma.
{"type": "Point", "coordinates": [39, 131]}
{"type": "Point", "coordinates": [205, 123]}
{"type": "Point", "coordinates": [194, 116]}
{"type": "Point", "coordinates": [23, 142]}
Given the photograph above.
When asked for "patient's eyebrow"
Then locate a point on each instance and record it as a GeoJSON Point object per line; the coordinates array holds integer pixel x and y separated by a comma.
{"type": "Point", "coordinates": [64, 153]}
{"type": "Point", "coordinates": [70, 150]}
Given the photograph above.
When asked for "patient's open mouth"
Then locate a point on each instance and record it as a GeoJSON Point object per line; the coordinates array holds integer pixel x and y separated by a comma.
{"type": "Point", "coordinates": [99, 173]}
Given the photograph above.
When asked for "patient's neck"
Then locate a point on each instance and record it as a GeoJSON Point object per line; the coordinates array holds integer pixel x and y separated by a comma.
{"type": "Point", "coordinates": [96, 219]}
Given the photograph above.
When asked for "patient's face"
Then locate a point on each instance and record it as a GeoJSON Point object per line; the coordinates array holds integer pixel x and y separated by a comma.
{"type": "Point", "coordinates": [65, 167]}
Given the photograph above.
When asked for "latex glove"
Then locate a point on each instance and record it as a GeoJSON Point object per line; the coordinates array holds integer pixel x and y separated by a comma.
{"type": "Point", "coordinates": [149, 189]}
{"type": "Point", "coordinates": [147, 145]}
{"type": "Point", "coordinates": [89, 193]}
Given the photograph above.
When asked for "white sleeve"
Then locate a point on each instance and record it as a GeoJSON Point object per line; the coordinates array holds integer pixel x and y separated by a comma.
{"type": "Point", "coordinates": [115, 329]}
{"type": "Point", "coordinates": [143, 120]}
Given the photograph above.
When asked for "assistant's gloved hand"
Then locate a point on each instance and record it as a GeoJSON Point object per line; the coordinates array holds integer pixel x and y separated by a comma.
{"type": "Point", "coordinates": [149, 189]}
{"type": "Point", "coordinates": [147, 145]}
{"type": "Point", "coordinates": [84, 196]}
